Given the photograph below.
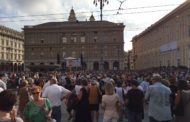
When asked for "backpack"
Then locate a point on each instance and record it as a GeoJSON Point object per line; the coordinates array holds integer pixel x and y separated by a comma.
{"type": "Point", "coordinates": [94, 95]}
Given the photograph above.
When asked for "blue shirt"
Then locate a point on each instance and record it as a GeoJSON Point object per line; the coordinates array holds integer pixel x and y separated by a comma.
{"type": "Point", "coordinates": [158, 96]}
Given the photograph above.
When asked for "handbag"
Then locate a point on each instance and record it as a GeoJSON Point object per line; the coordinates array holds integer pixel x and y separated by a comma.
{"type": "Point", "coordinates": [51, 120]}
{"type": "Point", "coordinates": [179, 108]}
{"type": "Point", "coordinates": [46, 114]}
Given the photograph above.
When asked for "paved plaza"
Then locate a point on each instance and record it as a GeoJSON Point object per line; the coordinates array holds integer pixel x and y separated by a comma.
{"type": "Point", "coordinates": [65, 115]}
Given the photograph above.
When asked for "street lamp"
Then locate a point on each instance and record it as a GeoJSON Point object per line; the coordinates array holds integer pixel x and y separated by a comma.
{"type": "Point", "coordinates": [102, 3]}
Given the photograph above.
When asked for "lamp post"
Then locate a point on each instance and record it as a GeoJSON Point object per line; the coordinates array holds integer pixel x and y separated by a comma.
{"type": "Point", "coordinates": [102, 4]}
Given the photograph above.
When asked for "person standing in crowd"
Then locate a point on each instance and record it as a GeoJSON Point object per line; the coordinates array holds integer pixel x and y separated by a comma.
{"type": "Point", "coordinates": [2, 83]}
{"type": "Point", "coordinates": [183, 94]}
{"type": "Point", "coordinates": [38, 109]}
{"type": "Point", "coordinates": [24, 97]}
{"type": "Point", "coordinates": [158, 97]}
{"type": "Point", "coordinates": [134, 102]}
{"type": "Point", "coordinates": [145, 84]}
{"type": "Point", "coordinates": [82, 108]}
{"type": "Point", "coordinates": [173, 89]}
{"type": "Point", "coordinates": [94, 97]}
{"type": "Point", "coordinates": [78, 86]}
{"type": "Point", "coordinates": [110, 104]}
{"type": "Point", "coordinates": [120, 92]}
{"type": "Point", "coordinates": [7, 107]}
{"type": "Point", "coordinates": [56, 94]}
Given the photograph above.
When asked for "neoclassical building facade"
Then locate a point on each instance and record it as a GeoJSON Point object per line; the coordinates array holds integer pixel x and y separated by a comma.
{"type": "Point", "coordinates": [99, 43]}
{"type": "Point", "coordinates": [165, 43]}
{"type": "Point", "coordinates": [11, 50]}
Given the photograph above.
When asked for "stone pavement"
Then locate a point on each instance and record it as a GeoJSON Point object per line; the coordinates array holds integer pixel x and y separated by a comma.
{"type": "Point", "coordinates": [65, 115]}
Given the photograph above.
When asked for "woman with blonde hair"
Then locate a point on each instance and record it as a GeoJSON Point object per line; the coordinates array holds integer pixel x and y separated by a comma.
{"type": "Point", "coordinates": [24, 96]}
{"type": "Point", "coordinates": [110, 104]}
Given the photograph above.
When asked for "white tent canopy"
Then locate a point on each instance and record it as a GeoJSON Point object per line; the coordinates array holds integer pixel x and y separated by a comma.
{"type": "Point", "coordinates": [72, 62]}
{"type": "Point", "coordinates": [70, 58]}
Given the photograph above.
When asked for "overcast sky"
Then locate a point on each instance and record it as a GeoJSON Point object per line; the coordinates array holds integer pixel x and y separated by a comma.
{"type": "Point", "coordinates": [136, 15]}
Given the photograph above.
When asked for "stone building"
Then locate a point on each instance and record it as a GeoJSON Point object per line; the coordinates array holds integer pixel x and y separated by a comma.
{"type": "Point", "coordinates": [99, 44]}
{"type": "Point", "coordinates": [128, 60]}
{"type": "Point", "coordinates": [165, 43]}
{"type": "Point", "coordinates": [11, 49]}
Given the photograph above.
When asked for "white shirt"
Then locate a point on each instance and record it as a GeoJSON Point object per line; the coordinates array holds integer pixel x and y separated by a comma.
{"type": "Point", "coordinates": [109, 102]}
{"type": "Point", "coordinates": [54, 93]}
{"type": "Point", "coordinates": [126, 89]}
{"type": "Point", "coordinates": [46, 85]}
{"type": "Point", "coordinates": [1, 89]}
{"type": "Point", "coordinates": [120, 93]}
{"type": "Point", "coordinates": [77, 89]}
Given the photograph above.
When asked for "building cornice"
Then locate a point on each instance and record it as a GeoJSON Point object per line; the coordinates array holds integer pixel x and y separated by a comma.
{"type": "Point", "coordinates": [174, 13]}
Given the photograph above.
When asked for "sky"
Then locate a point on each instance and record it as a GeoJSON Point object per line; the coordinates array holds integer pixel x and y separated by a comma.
{"type": "Point", "coordinates": [136, 15]}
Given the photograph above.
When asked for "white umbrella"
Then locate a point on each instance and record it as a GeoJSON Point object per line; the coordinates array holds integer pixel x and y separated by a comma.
{"type": "Point", "coordinates": [70, 58]}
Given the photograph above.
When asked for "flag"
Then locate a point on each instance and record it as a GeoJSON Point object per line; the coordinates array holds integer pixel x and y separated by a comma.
{"type": "Point", "coordinates": [81, 59]}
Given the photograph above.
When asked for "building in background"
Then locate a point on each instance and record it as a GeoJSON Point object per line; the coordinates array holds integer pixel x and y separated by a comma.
{"type": "Point", "coordinates": [11, 50]}
{"type": "Point", "coordinates": [131, 60]}
{"type": "Point", "coordinates": [92, 43]}
{"type": "Point", "coordinates": [128, 61]}
{"type": "Point", "coordinates": [165, 43]}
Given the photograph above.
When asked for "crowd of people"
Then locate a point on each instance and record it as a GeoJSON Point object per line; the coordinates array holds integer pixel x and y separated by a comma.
{"type": "Point", "coordinates": [120, 95]}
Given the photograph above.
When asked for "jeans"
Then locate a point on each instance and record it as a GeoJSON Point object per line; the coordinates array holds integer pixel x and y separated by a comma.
{"type": "Point", "coordinates": [151, 119]}
{"type": "Point", "coordinates": [56, 113]}
{"type": "Point", "coordinates": [134, 116]}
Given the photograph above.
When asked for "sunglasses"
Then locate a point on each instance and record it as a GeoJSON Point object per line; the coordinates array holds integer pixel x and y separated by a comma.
{"type": "Point", "coordinates": [35, 93]}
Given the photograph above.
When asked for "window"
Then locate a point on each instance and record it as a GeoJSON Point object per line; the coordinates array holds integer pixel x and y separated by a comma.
{"type": "Point", "coordinates": [2, 42]}
{"type": "Point", "coordinates": [82, 39]}
{"type": "Point", "coordinates": [64, 40]}
{"type": "Point", "coordinates": [73, 39]}
{"type": "Point", "coordinates": [83, 53]}
{"type": "Point", "coordinates": [178, 62]}
{"type": "Point", "coordinates": [32, 63]}
{"type": "Point", "coordinates": [105, 54]}
{"type": "Point", "coordinates": [95, 39]}
{"type": "Point", "coordinates": [51, 63]}
{"type": "Point", "coordinates": [42, 41]}
{"type": "Point", "coordinates": [15, 56]}
{"type": "Point", "coordinates": [168, 63]}
{"type": "Point", "coordinates": [42, 63]}
{"type": "Point", "coordinates": [3, 56]}
{"type": "Point", "coordinates": [64, 54]}
{"type": "Point", "coordinates": [73, 54]}
{"type": "Point", "coordinates": [41, 54]}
